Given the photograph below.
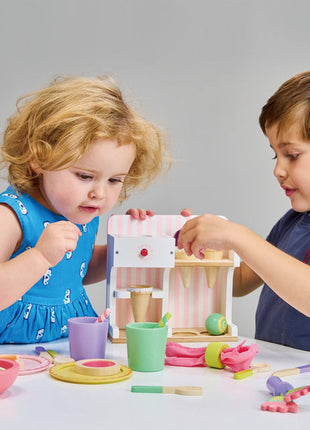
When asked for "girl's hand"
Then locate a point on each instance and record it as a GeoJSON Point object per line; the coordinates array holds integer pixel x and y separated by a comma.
{"type": "Point", "coordinates": [202, 232]}
{"type": "Point", "coordinates": [57, 239]}
{"type": "Point", "coordinates": [186, 212]}
{"type": "Point", "coordinates": [143, 213]}
{"type": "Point", "coordinates": [140, 214]}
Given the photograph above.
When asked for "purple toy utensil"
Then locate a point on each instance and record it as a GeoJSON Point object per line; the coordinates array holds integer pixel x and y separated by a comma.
{"type": "Point", "coordinates": [284, 393]}
{"type": "Point", "coordinates": [292, 371]}
{"type": "Point", "coordinates": [277, 387]}
{"type": "Point", "coordinates": [176, 236]}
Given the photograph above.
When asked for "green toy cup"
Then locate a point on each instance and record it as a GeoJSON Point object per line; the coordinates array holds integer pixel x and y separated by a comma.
{"type": "Point", "coordinates": [146, 346]}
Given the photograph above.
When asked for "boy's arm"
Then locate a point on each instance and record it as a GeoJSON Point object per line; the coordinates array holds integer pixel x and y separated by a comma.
{"type": "Point", "coordinates": [284, 274]}
{"type": "Point", "coordinates": [245, 280]}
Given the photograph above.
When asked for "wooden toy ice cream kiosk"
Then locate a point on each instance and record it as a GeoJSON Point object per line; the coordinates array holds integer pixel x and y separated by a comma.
{"type": "Point", "coordinates": [148, 276]}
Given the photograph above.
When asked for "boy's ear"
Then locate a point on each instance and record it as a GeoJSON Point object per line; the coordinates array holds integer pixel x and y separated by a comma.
{"type": "Point", "coordinates": [35, 167]}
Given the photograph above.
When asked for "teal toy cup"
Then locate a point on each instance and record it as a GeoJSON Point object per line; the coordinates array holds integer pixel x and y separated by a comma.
{"type": "Point", "coordinates": [146, 346]}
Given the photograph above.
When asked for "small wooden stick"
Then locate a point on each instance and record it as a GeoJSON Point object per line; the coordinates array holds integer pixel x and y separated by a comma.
{"type": "Point", "coordinates": [255, 368]}
{"type": "Point", "coordinates": [183, 390]}
{"type": "Point", "coordinates": [164, 319]}
{"type": "Point", "coordinates": [58, 358]}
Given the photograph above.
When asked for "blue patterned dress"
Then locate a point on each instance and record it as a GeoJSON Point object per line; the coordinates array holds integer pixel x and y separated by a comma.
{"type": "Point", "coordinates": [41, 314]}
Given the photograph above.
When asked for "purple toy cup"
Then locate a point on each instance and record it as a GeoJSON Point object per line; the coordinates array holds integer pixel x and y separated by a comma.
{"type": "Point", "coordinates": [87, 339]}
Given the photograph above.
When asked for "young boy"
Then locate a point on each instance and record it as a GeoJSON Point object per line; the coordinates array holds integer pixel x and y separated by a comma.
{"type": "Point", "coordinates": [281, 261]}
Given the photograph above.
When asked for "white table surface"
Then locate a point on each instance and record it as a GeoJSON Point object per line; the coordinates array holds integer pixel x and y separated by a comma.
{"type": "Point", "coordinates": [39, 401]}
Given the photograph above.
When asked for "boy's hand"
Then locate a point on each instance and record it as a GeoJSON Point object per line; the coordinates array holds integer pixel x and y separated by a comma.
{"type": "Point", "coordinates": [57, 239]}
{"type": "Point", "coordinates": [204, 231]}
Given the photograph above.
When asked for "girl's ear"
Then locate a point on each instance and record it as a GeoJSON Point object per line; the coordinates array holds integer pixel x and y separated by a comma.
{"type": "Point", "coordinates": [35, 167]}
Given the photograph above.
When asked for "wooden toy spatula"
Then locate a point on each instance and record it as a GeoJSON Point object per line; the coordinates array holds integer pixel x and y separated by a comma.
{"type": "Point", "coordinates": [183, 390]}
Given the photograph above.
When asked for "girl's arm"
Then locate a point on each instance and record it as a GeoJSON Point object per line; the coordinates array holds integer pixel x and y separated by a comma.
{"type": "Point", "coordinates": [97, 267]}
{"type": "Point", "coordinates": [18, 275]}
{"type": "Point", "coordinates": [285, 275]}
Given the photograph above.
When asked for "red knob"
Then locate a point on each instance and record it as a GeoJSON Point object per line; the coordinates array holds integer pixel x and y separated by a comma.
{"type": "Point", "coordinates": [144, 252]}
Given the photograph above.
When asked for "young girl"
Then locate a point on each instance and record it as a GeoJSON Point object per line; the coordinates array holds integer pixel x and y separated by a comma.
{"type": "Point", "coordinates": [282, 261]}
{"type": "Point", "coordinates": [72, 150]}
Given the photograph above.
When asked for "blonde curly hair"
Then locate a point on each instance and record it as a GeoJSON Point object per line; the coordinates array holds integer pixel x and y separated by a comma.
{"type": "Point", "coordinates": [53, 127]}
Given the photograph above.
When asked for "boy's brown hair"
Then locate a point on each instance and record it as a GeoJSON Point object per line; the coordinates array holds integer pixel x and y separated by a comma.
{"type": "Point", "coordinates": [289, 104]}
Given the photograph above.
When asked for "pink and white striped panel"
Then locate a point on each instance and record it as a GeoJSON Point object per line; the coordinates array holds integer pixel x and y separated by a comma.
{"type": "Point", "coordinates": [189, 306]}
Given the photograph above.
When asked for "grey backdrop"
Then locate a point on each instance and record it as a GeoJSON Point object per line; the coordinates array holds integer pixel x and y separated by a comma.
{"type": "Point", "coordinates": [200, 69]}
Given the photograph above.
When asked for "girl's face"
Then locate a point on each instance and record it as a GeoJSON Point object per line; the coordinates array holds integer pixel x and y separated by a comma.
{"type": "Point", "coordinates": [292, 167]}
{"type": "Point", "coordinates": [91, 186]}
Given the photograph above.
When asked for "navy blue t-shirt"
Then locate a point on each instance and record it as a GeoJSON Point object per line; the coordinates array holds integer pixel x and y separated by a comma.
{"type": "Point", "coordinates": [276, 320]}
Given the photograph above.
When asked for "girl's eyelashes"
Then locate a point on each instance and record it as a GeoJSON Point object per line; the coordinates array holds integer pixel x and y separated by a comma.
{"type": "Point", "coordinates": [89, 177]}
{"type": "Point", "coordinates": [116, 180]}
{"type": "Point", "coordinates": [84, 176]}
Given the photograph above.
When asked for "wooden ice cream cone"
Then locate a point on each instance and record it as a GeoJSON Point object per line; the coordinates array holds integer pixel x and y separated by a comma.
{"type": "Point", "coordinates": [185, 272]}
{"type": "Point", "coordinates": [186, 275]}
{"type": "Point", "coordinates": [213, 254]}
{"type": "Point", "coordinates": [211, 272]}
{"type": "Point", "coordinates": [140, 296]}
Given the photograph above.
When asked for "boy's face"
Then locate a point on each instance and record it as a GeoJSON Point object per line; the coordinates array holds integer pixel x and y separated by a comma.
{"type": "Point", "coordinates": [292, 167]}
{"type": "Point", "coordinates": [91, 186]}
